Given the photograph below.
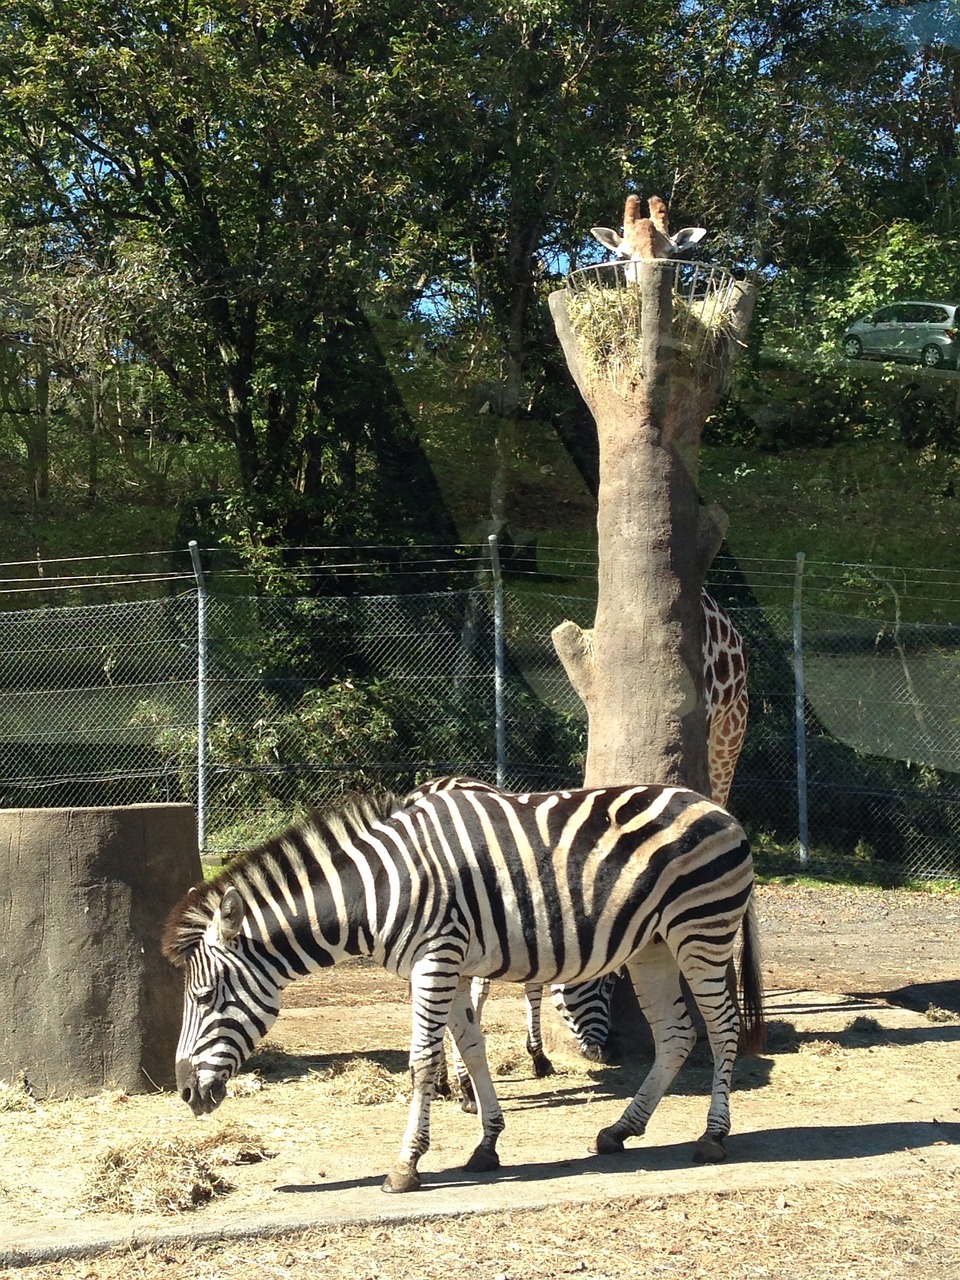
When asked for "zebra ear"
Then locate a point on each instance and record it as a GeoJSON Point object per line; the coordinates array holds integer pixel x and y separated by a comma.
{"type": "Point", "coordinates": [231, 915]}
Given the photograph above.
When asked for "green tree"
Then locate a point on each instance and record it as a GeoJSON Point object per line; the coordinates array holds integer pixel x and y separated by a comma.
{"type": "Point", "coordinates": [237, 157]}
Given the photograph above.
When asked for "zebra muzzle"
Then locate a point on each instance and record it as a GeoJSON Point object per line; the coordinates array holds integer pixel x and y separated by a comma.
{"type": "Point", "coordinates": [201, 1095]}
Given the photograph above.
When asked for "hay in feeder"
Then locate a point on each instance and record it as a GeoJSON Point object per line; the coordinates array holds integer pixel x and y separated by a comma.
{"type": "Point", "coordinates": [606, 321]}
{"type": "Point", "coordinates": [169, 1176]}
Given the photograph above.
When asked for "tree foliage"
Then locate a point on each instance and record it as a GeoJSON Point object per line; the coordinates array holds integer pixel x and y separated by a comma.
{"type": "Point", "coordinates": [304, 212]}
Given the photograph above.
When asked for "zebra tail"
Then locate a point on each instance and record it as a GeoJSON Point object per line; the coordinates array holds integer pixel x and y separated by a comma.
{"type": "Point", "coordinates": [753, 1027]}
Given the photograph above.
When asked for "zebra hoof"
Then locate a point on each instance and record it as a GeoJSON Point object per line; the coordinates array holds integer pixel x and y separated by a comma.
{"type": "Point", "coordinates": [483, 1160]}
{"type": "Point", "coordinates": [594, 1052]}
{"type": "Point", "coordinates": [469, 1105]}
{"type": "Point", "coordinates": [542, 1066]}
{"type": "Point", "coordinates": [402, 1177]}
{"type": "Point", "coordinates": [607, 1143]}
{"type": "Point", "coordinates": [709, 1150]}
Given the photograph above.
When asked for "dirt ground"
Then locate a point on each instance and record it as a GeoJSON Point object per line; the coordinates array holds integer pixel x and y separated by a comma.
{"type": "Point", "coordinates": [844, 1160]}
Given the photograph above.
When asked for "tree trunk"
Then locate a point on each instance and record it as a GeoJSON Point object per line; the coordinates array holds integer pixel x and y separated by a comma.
{"type": "Point", "coordinates": [639, 673]}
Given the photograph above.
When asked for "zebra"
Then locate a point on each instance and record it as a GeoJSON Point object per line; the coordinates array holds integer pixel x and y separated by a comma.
{"type": "Point", "coordinates": [585, 1008]}
{"type": "Point", "coordinates": [551, 887]}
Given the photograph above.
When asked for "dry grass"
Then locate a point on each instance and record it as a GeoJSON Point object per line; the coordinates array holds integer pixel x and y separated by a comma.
{"type": "Point", "coordinates": [168, 1176]}
{"type": "Point", "coordinates": [890, 1229]}
{"type": "Point", "coordinates": [935, 1014]}
{"type": "Point", "coordinates": [16, 1096]}
{"type": "Point", "coordinates": [363, 1083]}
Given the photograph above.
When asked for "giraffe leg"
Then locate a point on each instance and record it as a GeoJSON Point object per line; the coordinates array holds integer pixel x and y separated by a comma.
{"type": "Point", "coordinates": [656, 980]}
{"type": "Point", "coordinates": [465, 1025]}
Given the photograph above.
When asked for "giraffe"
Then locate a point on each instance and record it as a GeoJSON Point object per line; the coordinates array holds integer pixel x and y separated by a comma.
{"type": "Point", "coordinates": [585, 1008]}
{"type": "Point", "coordinates": [725, 669]}
{"type": "Point", "coordinates": [644, 239]}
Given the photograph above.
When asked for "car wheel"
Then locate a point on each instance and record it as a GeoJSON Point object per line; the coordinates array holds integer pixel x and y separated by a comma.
{"type": "Point", "coordinates": [852, 347]}
{"type": "Point", "coordinates": [932, 356]}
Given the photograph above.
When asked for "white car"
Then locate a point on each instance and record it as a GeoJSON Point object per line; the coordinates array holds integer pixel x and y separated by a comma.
{"type": "Point", "coordinates": [926, 333]}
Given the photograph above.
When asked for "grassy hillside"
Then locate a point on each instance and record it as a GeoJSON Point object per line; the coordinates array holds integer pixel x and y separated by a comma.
{"type": "Point", "coordinates": [871, 502]}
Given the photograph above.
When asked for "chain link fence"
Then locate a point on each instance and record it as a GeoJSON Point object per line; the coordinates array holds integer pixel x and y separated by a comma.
{"type": "Point", "coordinates": [265, 706]}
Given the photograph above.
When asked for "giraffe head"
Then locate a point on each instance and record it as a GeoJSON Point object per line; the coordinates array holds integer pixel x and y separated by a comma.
{"type": "Point", "coordinates": [647, 238]}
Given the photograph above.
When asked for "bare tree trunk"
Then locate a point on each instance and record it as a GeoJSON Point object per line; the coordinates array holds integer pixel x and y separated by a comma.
{"type": "Point", "coordinates": [639, 673]}
{"type": "Point", "coordinates": [38, 440]}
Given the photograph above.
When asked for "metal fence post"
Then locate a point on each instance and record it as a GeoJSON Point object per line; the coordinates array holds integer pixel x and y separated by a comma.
{"type": "Point", "coordinates": [201, 698]}
{"type": "Point", "coordinates": [803, 833]}
{"type": "Point", "coordinates": [498, 660]}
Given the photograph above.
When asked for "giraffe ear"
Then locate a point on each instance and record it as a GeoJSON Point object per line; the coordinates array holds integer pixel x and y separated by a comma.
{"type": "Point", "coordinates": [687, 238]}
{"type": "Point", "coordinates": [231, 915]}
{"type": "Point", "coordinates": [610, 240]}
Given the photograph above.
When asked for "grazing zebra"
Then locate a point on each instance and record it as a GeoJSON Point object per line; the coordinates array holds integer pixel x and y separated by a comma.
{"type": "Point", "coordinates": [557, 887]}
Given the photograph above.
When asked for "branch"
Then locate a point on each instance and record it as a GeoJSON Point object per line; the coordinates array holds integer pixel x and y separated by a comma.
{"type": "Point", "coordinates": [574, 647]}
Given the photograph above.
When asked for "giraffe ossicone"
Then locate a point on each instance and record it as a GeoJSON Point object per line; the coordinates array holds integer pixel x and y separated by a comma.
{"type": "Point", "coordinates": [646, 239]}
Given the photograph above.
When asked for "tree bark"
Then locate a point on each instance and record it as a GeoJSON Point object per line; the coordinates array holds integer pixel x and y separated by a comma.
{"type": "Point", "coordinates": [640, 672]}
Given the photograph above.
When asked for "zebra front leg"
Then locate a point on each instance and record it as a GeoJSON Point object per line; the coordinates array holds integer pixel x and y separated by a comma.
{"type": "Point", "coordinates": [465, 1025]}
{"type": "Point", "coordinates": [404, 1176]}
{"type": "Point", "coordinates": [431, 998]}
{"type": "Point", "coordinates": [479, 990]}
{"type": "Point", "coordinates": [656, 980]}
{"type": "Point", "coordinates": [533, 994]}
{"type": "Point", "coordinates": [441, 1086]}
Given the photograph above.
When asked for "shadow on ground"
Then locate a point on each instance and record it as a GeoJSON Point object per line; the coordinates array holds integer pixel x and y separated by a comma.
{"type": "Point", "coordinates": [764, 1146]}
{"type": "Point", "coordinates": [921, 996]}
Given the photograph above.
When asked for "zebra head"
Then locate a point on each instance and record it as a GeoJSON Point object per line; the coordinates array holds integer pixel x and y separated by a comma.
{"type": "Point", "coordinates": [230, 1000]}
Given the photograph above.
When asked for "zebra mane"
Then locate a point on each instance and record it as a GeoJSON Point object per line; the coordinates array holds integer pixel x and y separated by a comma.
{"type": "Point", "coordinates": [190, 918]}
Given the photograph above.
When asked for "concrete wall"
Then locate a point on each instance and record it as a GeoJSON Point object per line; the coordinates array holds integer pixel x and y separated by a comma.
{"type": "Point", "coordinates": [87, 1002]}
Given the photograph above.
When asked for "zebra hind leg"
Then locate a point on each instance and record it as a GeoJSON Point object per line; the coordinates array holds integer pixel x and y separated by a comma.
{"type": "Point", "coordinates": [717, 1002]}
{"type": "Point", "coordinates": [468, 1035]}
{"type": "Point", "coordinates": [722, 1019]}
{"type": "Point", "coordinates": [656, 980]}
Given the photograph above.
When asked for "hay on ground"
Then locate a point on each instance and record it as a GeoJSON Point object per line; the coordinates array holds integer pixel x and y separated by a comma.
{"type": "Point", "coordinates": [169, 1176]}
{"type": "Point", "coordinates": [362, 1082]}
{"type": "Point", "coordinates": [934, 1013]}
{"type": "Point", "coordinates": [17, 1096]}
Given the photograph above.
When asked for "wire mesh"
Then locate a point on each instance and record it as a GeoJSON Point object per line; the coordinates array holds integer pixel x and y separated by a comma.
{"type": "Point", "coordinates": [310, 696]}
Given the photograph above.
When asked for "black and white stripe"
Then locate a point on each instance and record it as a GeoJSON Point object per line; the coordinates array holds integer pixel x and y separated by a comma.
{"type": "Point", "coordinates": [584, 1007]}
{"type": "Point", "coordinates": [470, 882]}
